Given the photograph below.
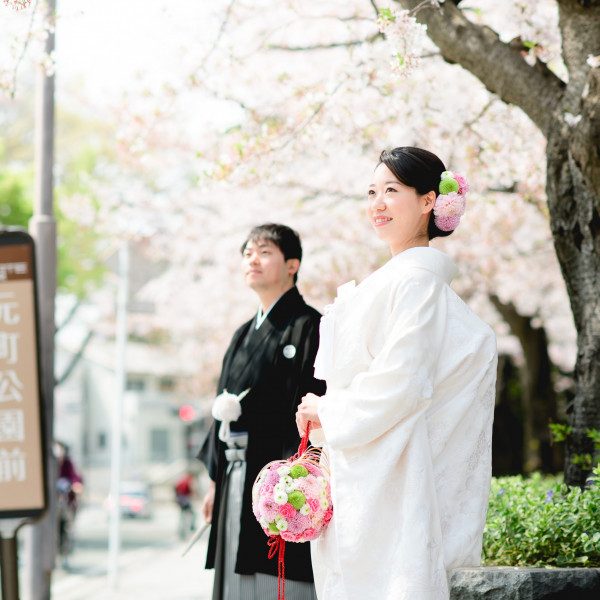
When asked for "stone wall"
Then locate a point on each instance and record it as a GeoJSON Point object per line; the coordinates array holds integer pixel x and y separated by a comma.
{"type": "Point", "coordinates": [522, 583]}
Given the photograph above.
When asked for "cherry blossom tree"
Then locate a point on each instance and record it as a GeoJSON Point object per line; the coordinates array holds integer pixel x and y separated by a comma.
{"type": "Point", "coordinates": [563, 104]}
{"type": "Point", "coordinates": [278, 111]}
{"type": "Point", "coordinates": [299, 99]}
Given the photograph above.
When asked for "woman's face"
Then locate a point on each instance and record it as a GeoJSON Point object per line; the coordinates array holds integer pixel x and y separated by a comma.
{"type": "Point", "coordinates": [398, 214]}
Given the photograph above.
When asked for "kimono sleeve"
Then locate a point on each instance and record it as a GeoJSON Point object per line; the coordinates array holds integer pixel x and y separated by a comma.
{"type": "Point", "coordinates": [209, 451]}
{"type": "Point", "coordinates": [398, 385]}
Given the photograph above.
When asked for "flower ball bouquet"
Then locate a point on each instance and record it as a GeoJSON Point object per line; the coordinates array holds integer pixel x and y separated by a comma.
{"type": "Point", "coordinates": [292, 498]}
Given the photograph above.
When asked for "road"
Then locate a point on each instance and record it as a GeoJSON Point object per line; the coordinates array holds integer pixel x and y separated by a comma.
{"type": "Point", "coordinates": [150, 563]}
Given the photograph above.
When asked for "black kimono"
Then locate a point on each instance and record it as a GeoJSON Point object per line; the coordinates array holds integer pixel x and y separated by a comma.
{"type": "Point", "coordinates": [276, 363]}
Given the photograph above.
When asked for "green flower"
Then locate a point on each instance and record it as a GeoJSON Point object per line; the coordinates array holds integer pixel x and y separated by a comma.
{"type": "Point", "coordinates": [297, 499]}
{"type": "Point", "coordinates": [448, 185]}
{"type": "Point", "coordinates": [298, 471]}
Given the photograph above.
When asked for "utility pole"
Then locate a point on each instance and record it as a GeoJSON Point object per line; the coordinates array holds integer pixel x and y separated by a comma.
{"type": "Point", "coordinates": [114, 533]}
{"type": "Point", "coordinates": [40, 539]}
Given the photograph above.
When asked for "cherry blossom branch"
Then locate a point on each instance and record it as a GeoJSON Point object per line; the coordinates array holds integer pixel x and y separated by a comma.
{"type": "Point", "coordinates": [369, 40]}
{"type": "Point", "coordinates": [309, 119]}
{"type": "Point", "coordinates": [502, 69]}
{"type": "Point", "coordinates": [22, 4]}
{"type": "Point", "coordinates": [17, 4]}
{"type": "Point", "coordinates": [224, 24]}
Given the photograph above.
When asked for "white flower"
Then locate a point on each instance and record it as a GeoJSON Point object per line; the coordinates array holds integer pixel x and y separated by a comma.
{"type": "Point", "coordinates": [571, 120]}
{"type": "Point", "coordinates": [322, 480]}
{"type": "Point", "coordinates": [263, 523]}
{"type": "Point", "coordinates": [324, 502]}
{"type": "Point", "coordinates": [593, 61]}
{"type": "Point", "coordinates": [280, 496]}
{"type": "Point", "coordinates": [287, 480]}
{"type": "Point", "coordinates": [281, 524]}
{"type": "Point", "coordinates": [405, 37]}
{"type": "Point", "coordinates": [283, 471]}
{"type": "Point", "coordinates": [305, 510]}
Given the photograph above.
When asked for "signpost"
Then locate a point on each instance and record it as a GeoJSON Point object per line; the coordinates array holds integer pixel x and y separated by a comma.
{"type": "Point", "coordinates": [23, 490]}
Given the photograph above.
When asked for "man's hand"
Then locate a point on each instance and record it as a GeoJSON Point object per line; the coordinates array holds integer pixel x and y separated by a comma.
{"type": "Point", "coordinates": [209, 502]}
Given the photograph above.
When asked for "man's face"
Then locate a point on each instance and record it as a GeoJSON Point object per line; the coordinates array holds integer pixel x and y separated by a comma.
{"type": "Point", "coordinates": [264, 266]}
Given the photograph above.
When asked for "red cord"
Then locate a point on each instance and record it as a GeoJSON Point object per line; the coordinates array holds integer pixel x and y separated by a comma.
{"type": "Point", "coordinates": [277, 546]}
{"type": "Point", "coordinates": [304, 442]}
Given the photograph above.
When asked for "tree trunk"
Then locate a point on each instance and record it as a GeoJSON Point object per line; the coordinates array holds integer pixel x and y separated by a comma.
{"type": "Point", "coordinates": [575, 224]}
{"type": "Point", "coordinates": [539, 398]}
{"type": "Point", "coordinates": [573, 190]}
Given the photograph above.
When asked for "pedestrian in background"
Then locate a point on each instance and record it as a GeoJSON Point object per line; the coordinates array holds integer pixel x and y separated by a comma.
{"type": "Point", "coordinates": [185, 493]}
{"type": "Point", "coordinates": [69, 487]}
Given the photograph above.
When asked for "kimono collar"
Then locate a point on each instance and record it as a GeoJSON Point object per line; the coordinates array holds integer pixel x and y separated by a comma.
{"type": "Point", "coordinates": [428, 258]}
{"type": "Point", "coordinates": [279, 313]}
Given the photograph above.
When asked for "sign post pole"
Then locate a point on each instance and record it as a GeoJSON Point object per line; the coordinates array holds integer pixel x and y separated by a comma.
{"type": "Point", "coordinates": [9, 561]}
{"type": "Point", "coordinates": [23, 474]}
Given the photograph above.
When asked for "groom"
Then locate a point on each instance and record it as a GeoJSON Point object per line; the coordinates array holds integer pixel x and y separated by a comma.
{"type": "Point", "coordinates": [272, 355]}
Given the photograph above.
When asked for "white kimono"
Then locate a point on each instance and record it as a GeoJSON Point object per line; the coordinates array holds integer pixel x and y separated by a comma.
{"type": "Point", "coordinates": [407, 425]}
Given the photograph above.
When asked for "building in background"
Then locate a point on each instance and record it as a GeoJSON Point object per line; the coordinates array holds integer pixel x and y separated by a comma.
{"type": "Point", "coordinates": [163, 415]}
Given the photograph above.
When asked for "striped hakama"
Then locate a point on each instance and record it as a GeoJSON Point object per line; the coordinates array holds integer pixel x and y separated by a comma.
{"type": "Point", "coordinates": [228, 584]}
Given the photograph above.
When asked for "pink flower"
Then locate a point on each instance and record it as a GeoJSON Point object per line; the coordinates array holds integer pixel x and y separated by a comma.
{"type": "Point", "coordinates": [288, 536]}
{"type": "Point", "coordinates": [287, 510]}
{"type": "Point", "coordinates": [310, 534]}
{"type": "Point", "coordinates": [463, 186]}
{"type": "Point", "coordinates": [268, 509]}
{"type": "Point", "coordinates": [298, 523]}
{"type": "Point", "coordinates": [448, 210]}
{"type": "Point", "coordinates": [272, 478]}
{"type": "Point", "coordinates": [447, 223]}
{"type": "Point", "coordinates": [312, 469]}
{"type": "Point", "coordinates": [327, 516]}
{"type": "Point", "coordinates": [266, 490]}
{"type": "Point", "coordinates": [310, 487]}
{"type": "Point", "coordinates": [314, 504]}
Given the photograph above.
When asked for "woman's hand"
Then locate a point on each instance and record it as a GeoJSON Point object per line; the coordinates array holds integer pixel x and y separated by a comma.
{"type": "Point", "coordinates": [209, 502]}
{"type": "Point", "coordinates": [308, 411]}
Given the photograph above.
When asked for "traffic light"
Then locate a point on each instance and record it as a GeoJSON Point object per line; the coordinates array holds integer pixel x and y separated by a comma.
{"type": "Point", "coordinates": [187, 413]}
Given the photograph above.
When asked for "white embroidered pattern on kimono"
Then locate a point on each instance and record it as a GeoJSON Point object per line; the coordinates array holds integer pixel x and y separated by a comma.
{"type": "Point", "coordinates": [407, 422]}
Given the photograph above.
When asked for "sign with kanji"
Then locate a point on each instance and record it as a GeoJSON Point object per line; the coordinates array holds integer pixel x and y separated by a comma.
{"type": "Point", "coordinates": [22, 470]}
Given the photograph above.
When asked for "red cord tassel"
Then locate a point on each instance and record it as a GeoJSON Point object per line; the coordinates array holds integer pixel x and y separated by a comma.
{"type": "Point", "coordinates": [277, 546]}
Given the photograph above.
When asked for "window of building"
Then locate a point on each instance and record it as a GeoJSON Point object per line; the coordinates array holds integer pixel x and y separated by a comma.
{"type": "Point", "coordinates": [166, 384]}
{"type": "Point", "coordinates": [137, 384]}
{"type": "Point", "coordinates": [159, 444]}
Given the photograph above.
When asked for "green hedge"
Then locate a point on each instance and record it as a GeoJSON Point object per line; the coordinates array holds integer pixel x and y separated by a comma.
{"type": "Point", "coordinates": [540, 521]}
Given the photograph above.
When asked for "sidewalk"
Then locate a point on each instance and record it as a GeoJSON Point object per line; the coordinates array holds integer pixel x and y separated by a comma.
{"type": "Point", "coordinates": [146, 574]}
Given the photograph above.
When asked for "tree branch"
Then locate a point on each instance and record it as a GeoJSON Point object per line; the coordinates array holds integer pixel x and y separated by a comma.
{"type": "Point", "coordinates": [23, 51]}
{"type": "Point", "coordinates": [75, 360]}
{"type": "Point", "coordinates": [500, 67]}
{"type": "Point", "coordinates": [369, 40]}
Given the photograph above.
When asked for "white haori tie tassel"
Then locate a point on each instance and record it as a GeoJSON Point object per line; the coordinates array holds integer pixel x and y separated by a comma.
{"type": "Point", "coordinates": [227, 409]}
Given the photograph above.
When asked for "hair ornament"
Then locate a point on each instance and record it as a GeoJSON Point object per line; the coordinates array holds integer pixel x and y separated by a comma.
{"type": "Point", "coordinates": [451, 203]}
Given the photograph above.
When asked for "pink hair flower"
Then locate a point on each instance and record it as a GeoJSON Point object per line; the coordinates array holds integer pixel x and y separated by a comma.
{"type": "Point", "coordinates": [463, 185]}
{"type": "Point", "coordinates": [448, 210]}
